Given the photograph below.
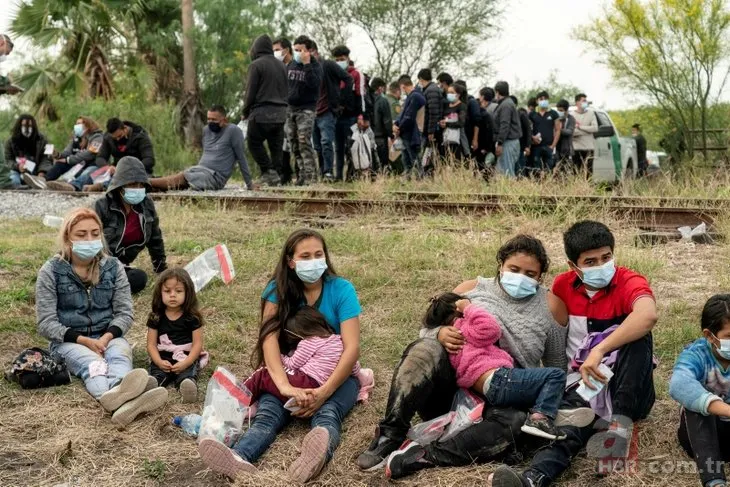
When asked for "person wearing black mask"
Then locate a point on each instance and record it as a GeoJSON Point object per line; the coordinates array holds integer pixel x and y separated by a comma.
{"type": "Point", "coordinates": [25, 151]}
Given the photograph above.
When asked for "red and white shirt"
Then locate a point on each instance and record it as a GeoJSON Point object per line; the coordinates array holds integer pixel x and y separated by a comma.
{"type": "Point", "coordinates": [607, 307]}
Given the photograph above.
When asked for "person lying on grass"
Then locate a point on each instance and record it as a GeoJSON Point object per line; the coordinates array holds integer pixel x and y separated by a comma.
{"type": "Point", "coordinates": [700, 383]}
{"type": "Point", "coordinates": [304, 276]}
{"type": "Point", "coordinates": [84, 308]}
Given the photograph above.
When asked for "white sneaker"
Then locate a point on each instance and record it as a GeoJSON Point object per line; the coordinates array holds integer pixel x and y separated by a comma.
{"type": "Point", "coordinates": [133, 384]}
{"type": "Point", "coordinates": [579, 417]}
{"type": "Point", "coordinates": [149, 401]}
{"type": "Point", "coordinates": [189, 391]}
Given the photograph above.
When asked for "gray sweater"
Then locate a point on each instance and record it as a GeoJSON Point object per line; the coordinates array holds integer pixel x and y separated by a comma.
{"type": "Point", "coordinates": [222, 150]}
{"type": "Point", "coordinates": [530, 334]}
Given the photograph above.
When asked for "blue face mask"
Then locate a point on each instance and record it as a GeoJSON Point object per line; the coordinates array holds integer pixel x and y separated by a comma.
{"type": "Point", "coordinates": [310, 271]}
{"type": "Point", "coordinates": [518, 286]}
{"type": "Point", "coordinates": [78, 130]}
{"type": "Point", "coordinates": [544, 103]}
{"type": "Point", "coordinates": [724, 349]}
{"type": "Point", "coordinates": [134, 196]}
{"type": "Point", "coordinates": [297, 56]}
{"type": "Point", "coordinates": [343, 64]}
{"type": "Point", "coordinates": [451, 97]}
{"type": "Point", "coordinates": [599, 277]}
{"type": "Point", "coordinates": [86, 249]}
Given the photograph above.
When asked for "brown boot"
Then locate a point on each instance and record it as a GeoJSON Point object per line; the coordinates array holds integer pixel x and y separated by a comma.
{"type": "Point", "coordinates": [176, 181]}
{"type": "Point", "coordinates": [60, 186]}
{"type": "Point", "coordinates": [93, 188]}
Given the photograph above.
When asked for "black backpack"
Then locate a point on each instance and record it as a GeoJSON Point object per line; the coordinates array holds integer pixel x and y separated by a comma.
{"type": "Point", "coordinates": [35, 368]}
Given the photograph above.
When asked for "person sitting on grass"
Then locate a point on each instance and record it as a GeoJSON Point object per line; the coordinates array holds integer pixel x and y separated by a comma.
{"type": "Point", "coordinates": [84, 308]}
{"type": "Point", "coordinates": [700, 383]}
{"type": "Point", "coordinates": [599, 296]}
{"type": "Point", "coordinates": [25, 150]}
{"type": "Point", "coordinates": [83, 149]}
{"type": "Point", "coordinates": [222, 148]}
{"type": "Point", "coordinates": [304, 276]}
{"type": "Point", "coordinates": [175, 334]}
{"type": "Point", "coordinates": [130, 221]}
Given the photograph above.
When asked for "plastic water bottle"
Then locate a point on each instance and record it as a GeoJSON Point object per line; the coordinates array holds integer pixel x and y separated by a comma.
{"type": "Point", "coordinates": [52, 221]}
{"type": "Point", "coordinates": [189, 423]}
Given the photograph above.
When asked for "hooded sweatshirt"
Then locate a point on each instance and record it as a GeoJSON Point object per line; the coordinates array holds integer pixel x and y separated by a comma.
{"type": "Point", "coordinates": [115, 220]}
{"type": "Point", "coordinates": [304, 84]}
{"type": "Point", "coordinates": [267, 88]}
{"type": "Point", "coordinates": [138, 145]}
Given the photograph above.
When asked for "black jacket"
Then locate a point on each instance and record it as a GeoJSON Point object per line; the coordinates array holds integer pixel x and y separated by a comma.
{"type": "Point", "coordinates": [113, 218]}
{"type": "Point", "coordinates": [138, 145]}
{"type": "Point", "coordinates": [486, 132]}
{"type": "Point", "coordinates": [382, 119]}
{"type": "Point", "coordinates": [14, 150]}
{"type": "Point", "coordinates": [304, 84]}
{"type": "Point", "coordinates": [526, 139]}
{"type": "Point", "coordinates": [434, 108]}
{"type": "Point", "coordinates": [337, 98]}
{"type": "Point", "coordinates": [267, 88]}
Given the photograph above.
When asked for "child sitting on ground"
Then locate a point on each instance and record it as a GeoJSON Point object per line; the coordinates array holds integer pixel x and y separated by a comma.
{"type": "Point", "coordinates": [701, 384]}
{"type": "Point", "coordinates": [175, 334]}
{"type": "Point", "coordinates": [316, 352]}
{"type": "Point", "coordinates": [485, 368]}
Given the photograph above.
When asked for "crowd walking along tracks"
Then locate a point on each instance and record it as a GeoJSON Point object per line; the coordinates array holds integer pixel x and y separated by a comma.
{"type": "Point", "coordinates": [647, 213]}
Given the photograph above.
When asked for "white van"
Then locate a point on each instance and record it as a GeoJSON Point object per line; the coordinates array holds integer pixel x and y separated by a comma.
{"type": "Point", "coordinates": [614, 157]}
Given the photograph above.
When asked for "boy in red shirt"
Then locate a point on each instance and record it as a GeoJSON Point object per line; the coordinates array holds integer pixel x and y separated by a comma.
{"type": "Point", "coordinates": [599, 295]}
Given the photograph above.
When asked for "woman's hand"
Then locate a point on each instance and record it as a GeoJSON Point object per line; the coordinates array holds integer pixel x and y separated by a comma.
{"type": "Point", "coordinates": [315, 398]}
{"type": "Point", "coordinates": [451, 338]}
{"type": "Point", "coordinates": [96, 346]}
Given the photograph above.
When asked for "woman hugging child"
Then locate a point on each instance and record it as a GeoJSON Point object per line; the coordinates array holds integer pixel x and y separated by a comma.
{"type": "Point", "coordinates": [487, 369]}
{"type": "Point", "coordinates": [175, 334]}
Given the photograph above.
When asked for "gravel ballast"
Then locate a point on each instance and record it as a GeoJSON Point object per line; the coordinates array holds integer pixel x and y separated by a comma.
{"type": "Point", "coordinates": [36, 204]}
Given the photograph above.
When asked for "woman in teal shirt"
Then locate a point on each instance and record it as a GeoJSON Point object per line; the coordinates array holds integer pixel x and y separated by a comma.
{"type": "Point", "coordinates": [303, 276]}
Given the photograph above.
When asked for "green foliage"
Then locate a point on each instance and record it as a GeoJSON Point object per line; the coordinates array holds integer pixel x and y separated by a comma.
{"type": "Point", "coordinates": [154, 469]}
{"type": "Point", "coordinates": [408, 36]}
{"type": "Point", "coordinates": [556, 89]}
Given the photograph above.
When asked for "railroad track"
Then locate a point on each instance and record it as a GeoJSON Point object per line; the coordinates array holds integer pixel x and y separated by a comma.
{"type": "Point", "coordinates": [645, 212]}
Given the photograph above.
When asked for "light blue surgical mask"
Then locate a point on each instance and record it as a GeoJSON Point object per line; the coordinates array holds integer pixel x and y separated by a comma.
{"type": "Point", "coordinates": [343, 64]}
{"type": "Point", "coordinates": [78, 130]}
{"type": "Point", "coordinates": [134, 196]}
{"type": "Point", "coordinates": [599, 277]}
{"type": "Point", "coordinates": [544, 103]}
{"type": "Point", "coordinates": [297, 56]}
{"type": "Point", "coordinates": [724, 349]}
{"type": "Point", "coordinates": [451, 97]}
{"type": "Point", "coordinates": [86, 249]}
{"type": "Point", "coordinates": [584, 105]}
{"type": "Point", "coordinates": [310, 271]}
{"type": "Point", "coordinates": [561, 115]}
{"type": "Point", "coordinates": [519, 286]}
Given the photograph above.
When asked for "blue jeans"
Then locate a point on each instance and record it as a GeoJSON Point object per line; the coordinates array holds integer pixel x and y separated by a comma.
{"type": "Point", "coordinates": [544, 158]}
{"type": "Point", "coordinates": [16, 179]}
{"type": "Point", "coordinates": [84, 178]}
{"type": "Point", "coordinates": [271, 417]}
{"type": "Point", "coordinates": [118, 356]}
{"type": "Point", "coordinates": [410, 159]}
{"type": "Point", "coordinates": [510, 155]}
{"type": "Point", "coordinates": [541, 390]}
{"type": "Point", "coordinates": [342, 135]}
{"type": "Point", "coordinates": [324, 139]}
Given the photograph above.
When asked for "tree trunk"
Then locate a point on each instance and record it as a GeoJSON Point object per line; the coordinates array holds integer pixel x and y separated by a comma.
{"type": "Point", "coordinates": [191, 108]}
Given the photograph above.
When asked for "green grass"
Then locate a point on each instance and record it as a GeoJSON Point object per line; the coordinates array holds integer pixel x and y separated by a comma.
{"type": "Point", "coordinates": [396, 265]}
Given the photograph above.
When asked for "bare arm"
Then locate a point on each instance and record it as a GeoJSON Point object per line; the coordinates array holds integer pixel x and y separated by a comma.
{"type": "Point", "coordinates": [272, 352]}
{"type": "Point", "coordinates": [639, 323]}
{"type": "Point", "coordinates": [558, 309]}
{"type": "Point", "coordinates": [556, 133]}
{"type": "Point", "coordinates": [152, 348]}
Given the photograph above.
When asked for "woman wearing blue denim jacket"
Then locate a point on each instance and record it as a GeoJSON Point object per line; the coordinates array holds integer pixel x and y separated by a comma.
{"type": "Point", "coordinates": [84, 307]}
{"type": "Point", "coordinates": [304, 276]}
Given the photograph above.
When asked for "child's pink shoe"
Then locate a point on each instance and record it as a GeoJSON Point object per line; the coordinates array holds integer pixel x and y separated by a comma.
{"type": "Point", "coordinates": [221, 459]}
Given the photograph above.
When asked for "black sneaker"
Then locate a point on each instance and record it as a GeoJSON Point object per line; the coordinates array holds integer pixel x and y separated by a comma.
{"type": "Point", "coordinates": [543, 427]}
{"type": "Point", "coordinates": [377, 454]}
{"type": "Point", "coordinates": [506, 477]}
{"type": "Point", "coordinates": [270, 178]}
{"type": "Point", "coordinates": [406, 461]}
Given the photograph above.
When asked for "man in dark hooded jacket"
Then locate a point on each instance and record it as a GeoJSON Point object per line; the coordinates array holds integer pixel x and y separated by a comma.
{"type": "Point", "coordinates": [130, 221]}
{"type": "Point", "coordinates": [265, 107]}
{"type": "Point", "coordinates": [125, 138]}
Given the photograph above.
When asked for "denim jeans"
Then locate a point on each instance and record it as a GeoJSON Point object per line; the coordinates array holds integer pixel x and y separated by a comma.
{"type": "Point", "coordinates": [544, 158]}
{"type": "Point", "coordinates": [324, 140]}
{"type": "Point", "coordinates": [118, 356]}
{"type": "Point", "coordinates": [510, 155]}
{"type": "Point", "coordinates": [410, 159]}
{"type": "Point", "coordinates": [84, 178]}
{"type": "Point", "coordinates": [271, 417]}
{"type": "Point", "coordinates": [164, 379]}
{"type": "Point", "coordinates": [424, 382]}
{"type": "Point", "coordinates": [539, 390]}
{"type": "Point", "coordinates": [16, 179]}
{"type": "Point", "coordinates": [707, 440]}
{"type": "Point", "coordinates": [342, 135]}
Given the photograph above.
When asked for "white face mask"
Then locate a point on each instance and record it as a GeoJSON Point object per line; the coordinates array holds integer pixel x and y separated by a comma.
{"type": "Point", "coordinates": [279, 55]}
{"type": "Point", "coordinates": [26, 131]}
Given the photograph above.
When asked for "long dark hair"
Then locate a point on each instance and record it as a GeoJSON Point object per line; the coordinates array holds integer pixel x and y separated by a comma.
{"type": "Point", "coordinates": [442, 311]}
{"type": "Point", "coordinates": [289, 291]}
{"type": "Point", "coordinates": [17, 133]}
{"type": "Point", "coordinates": [307, 322]}
{"type": "Point", "coordinates": [189, 306]}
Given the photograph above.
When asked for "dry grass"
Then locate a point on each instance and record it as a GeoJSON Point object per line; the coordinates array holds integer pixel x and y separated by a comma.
{"type": "Point", "coordinates": [60, 435]}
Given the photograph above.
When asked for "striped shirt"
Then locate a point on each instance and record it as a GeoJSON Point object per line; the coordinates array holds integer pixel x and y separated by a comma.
{"type": "Point", "coordinates": [317, 357]}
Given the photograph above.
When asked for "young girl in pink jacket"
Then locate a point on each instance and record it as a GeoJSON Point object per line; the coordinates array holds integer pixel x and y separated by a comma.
{"type": "Point", "coordinates": [487, 369]}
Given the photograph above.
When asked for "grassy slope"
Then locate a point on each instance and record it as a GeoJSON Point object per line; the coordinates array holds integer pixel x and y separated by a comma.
{"type": "Point", "coordinates": [60, 435]}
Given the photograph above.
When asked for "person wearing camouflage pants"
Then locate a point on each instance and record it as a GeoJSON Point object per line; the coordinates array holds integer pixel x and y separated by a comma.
{"type": "Point", "coordinates": [299, 126]}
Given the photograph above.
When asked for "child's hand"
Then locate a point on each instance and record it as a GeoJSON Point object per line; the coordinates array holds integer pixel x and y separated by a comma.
{"type": "Point", "coordinates": [178, 367]}
{"type": "Point", "coordinates": [462, 304]}
{"type": "Point", "coordinates": [165, 365]}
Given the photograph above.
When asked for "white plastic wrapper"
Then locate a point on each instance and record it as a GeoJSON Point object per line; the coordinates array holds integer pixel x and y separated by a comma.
{"type": "Point", "coordinates": [225, 408]}
{"type": "Point", "coordinates": [71, 174]}
{"type": "Point", "coordinates": [52, 221]}
{"type": "Point", "coordinates": [466, 409]}
{"type": "Point", "coordinates": [689, 232]}
{"type": "Point", "coordinates": [214, 262]}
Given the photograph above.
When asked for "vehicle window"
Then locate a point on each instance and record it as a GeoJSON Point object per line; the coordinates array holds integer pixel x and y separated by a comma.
{"type": "Point", "coordinates": [603, 119]}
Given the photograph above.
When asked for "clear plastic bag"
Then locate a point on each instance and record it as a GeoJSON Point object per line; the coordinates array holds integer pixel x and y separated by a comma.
{"type": "Point", "coordinates": [71, 174]}
{"type": "Point", "coordinates": [225, 408]}
{"type": "Point", "coordinates": [466, 409]}
{"type": "Point", "coordinates": [214, 262]}
{"type": "Point", "coordinates": [52, 221]}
